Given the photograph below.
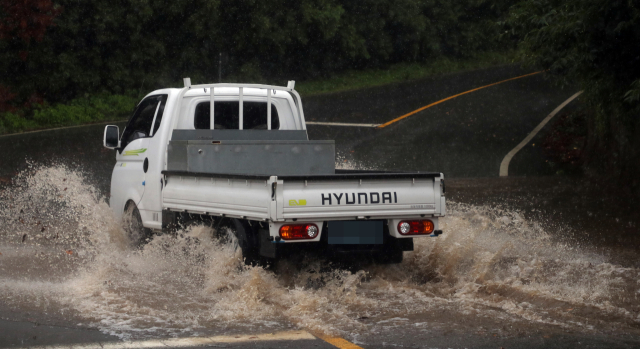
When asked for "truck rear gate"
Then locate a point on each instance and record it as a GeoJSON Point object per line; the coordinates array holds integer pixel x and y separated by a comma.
{"type": "Point", "coordinates": [346, 195]}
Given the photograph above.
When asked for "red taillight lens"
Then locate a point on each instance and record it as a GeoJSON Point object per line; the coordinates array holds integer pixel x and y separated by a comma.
{"type": "Point", "coordinates": [415, 227]}
{"type": "Point", "coordinates": [298, 231]}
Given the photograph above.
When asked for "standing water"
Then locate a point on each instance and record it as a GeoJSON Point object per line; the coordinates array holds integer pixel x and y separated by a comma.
{"type": "Point", "coordinates": [64, 258]}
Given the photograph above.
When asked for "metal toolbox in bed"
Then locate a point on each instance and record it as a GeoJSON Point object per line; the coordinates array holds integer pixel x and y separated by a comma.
{"type": "Point", "coordinates": [252, 157]}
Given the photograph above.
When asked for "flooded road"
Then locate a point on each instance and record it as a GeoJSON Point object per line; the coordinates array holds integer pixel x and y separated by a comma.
{"type": "Point", "coordinates": [523, 262]}
{"type": "Point", "coordinates": [66, 261]}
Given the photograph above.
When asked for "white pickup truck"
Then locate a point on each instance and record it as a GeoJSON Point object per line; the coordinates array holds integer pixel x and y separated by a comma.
{"type": "Point", "coordinates": [239, 155]}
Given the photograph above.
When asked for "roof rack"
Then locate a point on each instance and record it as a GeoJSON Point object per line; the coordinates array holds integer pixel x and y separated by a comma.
{"type": "Point", "coordinates": [271, 89]}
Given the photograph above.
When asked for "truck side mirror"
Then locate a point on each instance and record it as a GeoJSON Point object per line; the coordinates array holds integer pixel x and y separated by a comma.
{"type": "Point", "coordinates": [111, 138]}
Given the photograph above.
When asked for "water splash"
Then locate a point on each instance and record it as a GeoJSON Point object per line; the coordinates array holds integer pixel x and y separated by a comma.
{"type": "Point", "coordinates": [64, 254]}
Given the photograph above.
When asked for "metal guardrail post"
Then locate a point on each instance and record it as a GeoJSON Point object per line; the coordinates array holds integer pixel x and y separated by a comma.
{"type": "Point", "coordinates": [240, 111]}
{"type": "Point", "coordinates": [211, 111]}
{"type": "Point", "coordinates": [268, 109]}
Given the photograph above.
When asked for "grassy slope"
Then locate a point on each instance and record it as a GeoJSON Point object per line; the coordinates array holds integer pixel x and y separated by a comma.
{"type": "Point", "coordinates": [80, 111]}
{"type": "Point", "coordinates": [93, 109]}
{"type": "Point", "coordinates": [353, 80]}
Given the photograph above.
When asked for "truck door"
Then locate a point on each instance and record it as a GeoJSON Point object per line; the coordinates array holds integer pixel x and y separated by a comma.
{"type": "Point", "coordinates": [132, 158]}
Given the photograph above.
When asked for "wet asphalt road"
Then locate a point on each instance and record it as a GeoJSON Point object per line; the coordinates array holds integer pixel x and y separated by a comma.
{"type": "Point", "coordinates": [466, 138]}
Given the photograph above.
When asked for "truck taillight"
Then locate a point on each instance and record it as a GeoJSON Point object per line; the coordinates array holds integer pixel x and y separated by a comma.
{"type": "Point", "coordinates": [415, 227]}
{"type": "Point", "coordinates": [298, 231]}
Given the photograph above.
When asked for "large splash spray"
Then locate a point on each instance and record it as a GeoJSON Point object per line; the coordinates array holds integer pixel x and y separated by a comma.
{"type": "Point", "coordinates": [64, 257]}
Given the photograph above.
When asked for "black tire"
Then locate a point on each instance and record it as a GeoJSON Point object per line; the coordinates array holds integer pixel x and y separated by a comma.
{"type": "Point", "coordinates": [247, 236]}
{"type": "Point", "coordinates": [137, 234]}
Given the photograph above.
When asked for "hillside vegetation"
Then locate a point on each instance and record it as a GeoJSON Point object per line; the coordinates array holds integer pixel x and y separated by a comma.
{"type": "Point", "coordinates": [67, 62]}
{"type": "Point", "coordinates": [593, 43]}
{"type": "Point", "coordinates": [76, 53]}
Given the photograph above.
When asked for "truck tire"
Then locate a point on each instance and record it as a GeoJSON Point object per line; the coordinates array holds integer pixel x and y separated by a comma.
{"type": "Point", "coordinates": [137, 234]}
{"type": "Point", "coordinates": [247, 236]}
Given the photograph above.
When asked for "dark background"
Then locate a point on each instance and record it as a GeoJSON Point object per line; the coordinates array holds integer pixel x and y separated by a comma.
{"type": "Point", "coordinates": [92, 52]}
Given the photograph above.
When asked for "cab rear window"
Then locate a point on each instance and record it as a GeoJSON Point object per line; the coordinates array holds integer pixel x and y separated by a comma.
{"type": "Point", "coordinates": [227, 116]}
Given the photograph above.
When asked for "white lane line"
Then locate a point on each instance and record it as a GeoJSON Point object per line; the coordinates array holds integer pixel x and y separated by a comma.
{"type": "Point", "coordinates": [341, 124]}
{"type": "Point", "coordinates": [187, 342]}
{"type": "Point", "coordinates": [504, 166]}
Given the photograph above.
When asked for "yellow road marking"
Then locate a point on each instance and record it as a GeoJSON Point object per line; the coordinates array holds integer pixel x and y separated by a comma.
{"type": "Point", "coordinates": [207, 341]}
{"type": "Point", "coordinates": [337, 341]}
{"type": "Point", "coordinates": [186, 342]}
{"type": "Point", "coordinates": [452, 97]}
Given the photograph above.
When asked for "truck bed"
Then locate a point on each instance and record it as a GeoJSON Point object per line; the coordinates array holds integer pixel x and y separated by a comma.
{"type": "Point", "coordinates": [278, 177]}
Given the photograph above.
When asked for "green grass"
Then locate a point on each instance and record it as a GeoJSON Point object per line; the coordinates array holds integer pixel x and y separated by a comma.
{"type": "Point", "coordinates": [358, 79]}
{"type": "Point", "coordinates": [80, 111]}
{"type": "Point", "coordinates": [106, 107]}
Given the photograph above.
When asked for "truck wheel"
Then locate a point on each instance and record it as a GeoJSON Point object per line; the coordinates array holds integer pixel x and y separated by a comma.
{"type": "Point", "coordinates": [247, 241]}
{"type": "Point", "coordinates": [136, 232]}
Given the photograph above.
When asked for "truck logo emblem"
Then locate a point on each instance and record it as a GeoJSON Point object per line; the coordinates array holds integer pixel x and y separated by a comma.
{"type": "Point", "coordinates": [134, 152]}
{"type": "Point", "coordinates": [298, 203]}
{"type": "Point", "coordinates": [366, 198]}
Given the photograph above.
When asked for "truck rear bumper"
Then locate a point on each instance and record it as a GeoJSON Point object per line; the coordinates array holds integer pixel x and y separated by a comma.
{"type": "Point", "coordinates": [272, 234]}
{"type": "Point", "coordinates": [259, 235]}
{"type": "Point", "coordinates": [390, 226]}
{"type": "Point", "coordinates": [277, 249]}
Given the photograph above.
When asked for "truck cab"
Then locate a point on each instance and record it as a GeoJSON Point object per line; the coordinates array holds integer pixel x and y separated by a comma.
{"type": "Point", "coordinates": [141, 154]}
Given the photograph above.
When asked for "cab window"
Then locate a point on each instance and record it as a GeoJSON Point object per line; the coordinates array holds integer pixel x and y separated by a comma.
{"type": "Point", "coordinates": [145, 120]}
{"type": "Point", "coordinates": [227, 116]}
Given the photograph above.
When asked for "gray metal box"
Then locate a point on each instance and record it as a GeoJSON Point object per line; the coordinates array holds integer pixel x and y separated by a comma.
{"type": "Point", "coordinates": [268, 157]}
